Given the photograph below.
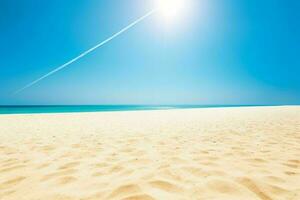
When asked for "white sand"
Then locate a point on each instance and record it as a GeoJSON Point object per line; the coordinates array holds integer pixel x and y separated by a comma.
{"type": "Point", "coordinates": [203, 154]}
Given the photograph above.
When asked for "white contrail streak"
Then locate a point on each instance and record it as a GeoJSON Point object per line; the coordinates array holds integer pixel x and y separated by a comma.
{"type": "Point", "coordinates": [86, 52]}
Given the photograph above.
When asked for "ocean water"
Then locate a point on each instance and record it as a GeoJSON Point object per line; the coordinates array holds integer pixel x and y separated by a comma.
{"type": "Point", "coordinates": [98, 108]}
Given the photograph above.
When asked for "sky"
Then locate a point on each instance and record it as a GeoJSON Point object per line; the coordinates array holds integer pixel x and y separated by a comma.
{"type": "Point", "coordinates": [217, 52]}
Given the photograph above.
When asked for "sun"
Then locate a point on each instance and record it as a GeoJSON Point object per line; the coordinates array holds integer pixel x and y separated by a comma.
{"type": "Point", "coordinates": [171, 9]}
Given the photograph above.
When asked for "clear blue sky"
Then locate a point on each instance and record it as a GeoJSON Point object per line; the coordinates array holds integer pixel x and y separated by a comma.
{"type": "Point", "coordinates": [224, 52]}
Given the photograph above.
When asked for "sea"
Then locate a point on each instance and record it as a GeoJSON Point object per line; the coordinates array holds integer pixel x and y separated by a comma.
{"type": "Point", "coordinates": [38, 109]}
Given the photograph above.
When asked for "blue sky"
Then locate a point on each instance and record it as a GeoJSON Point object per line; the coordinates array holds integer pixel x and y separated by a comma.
{"type": "Point", "coordinates": [223, 52]}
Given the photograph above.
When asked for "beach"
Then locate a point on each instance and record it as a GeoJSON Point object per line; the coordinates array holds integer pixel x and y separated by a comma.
{"type": "Point", "coordinates": [242, 153]}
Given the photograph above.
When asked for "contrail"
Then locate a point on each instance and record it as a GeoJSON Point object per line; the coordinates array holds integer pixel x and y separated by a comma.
{"type": "Point", "coordinates": [86, 52]}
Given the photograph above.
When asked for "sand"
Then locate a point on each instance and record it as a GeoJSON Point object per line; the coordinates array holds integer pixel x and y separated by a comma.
{"type": "Point", "coordinates": [206, 154]}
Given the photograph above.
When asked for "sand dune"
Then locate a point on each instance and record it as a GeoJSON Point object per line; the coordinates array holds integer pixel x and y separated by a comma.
{"type": "Point", "coordinates": [202, 154]}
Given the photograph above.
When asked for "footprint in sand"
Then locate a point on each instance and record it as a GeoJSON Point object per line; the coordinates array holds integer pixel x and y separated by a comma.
{"type": "Point", "coordinates": [291, 173]}
{"type": "Point", "coordinates": [58, 174]}
{"type": "Point", "coordinates": [12, 168]}
{"type": "Point", "coordinates": [42, 166]}
{"type": "Point", "coordinates": [7, 193]}
{"type": "Point", "coordinates": [66, 180]}
{"type": "Point", "coordinates": [297, 162]}
{"type": "Point", "coordinates": [165, 186]}
{"type": "Point", "coordinates": [293, 166]}
{"type": "Point", "coordinates": [274, 179]}
{"type": "Point", "coordinates": [69, 165]}
{"type": "Point", "coordinates": [125, 190]}
{"type": "Point", "coordinates": [116, 169]}
{"type": "Point", "coordinates": [9, 162]}
{"type": "Point", "coordinates": [223, 186]}
{"type": "Point", "coordinates": [253, 187]}
{"type": "Point", "coordinates": [48, 148]}
{"type": "Point", "coordinates": [195, 171]}
{"type": "Point", "coordinates": [12, 182]}
{"type": "Point", "coordinates": [139, 197]}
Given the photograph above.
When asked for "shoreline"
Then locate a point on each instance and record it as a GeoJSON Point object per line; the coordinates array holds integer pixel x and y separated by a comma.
{"type": "Point", "coordinates": [164, 108]}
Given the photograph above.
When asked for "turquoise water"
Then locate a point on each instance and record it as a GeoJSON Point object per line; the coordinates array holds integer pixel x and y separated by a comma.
{"type": "Point", "coordinates": [97, 108]}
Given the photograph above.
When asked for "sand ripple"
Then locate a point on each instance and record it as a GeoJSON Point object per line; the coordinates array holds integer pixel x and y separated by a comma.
{"type": "Point", "coordinates": [201, 154]}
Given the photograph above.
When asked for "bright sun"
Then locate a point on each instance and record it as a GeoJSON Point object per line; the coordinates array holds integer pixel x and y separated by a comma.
{"type": "Point", "coordinates": [171, 9]}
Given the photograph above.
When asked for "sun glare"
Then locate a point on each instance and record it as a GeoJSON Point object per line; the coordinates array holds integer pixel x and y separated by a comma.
{"type": "Point", "coordinates": [171, 9]}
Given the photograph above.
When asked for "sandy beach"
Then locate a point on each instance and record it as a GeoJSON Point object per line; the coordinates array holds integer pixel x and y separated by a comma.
{"type": "Point", "coordinates": [249, 153]}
